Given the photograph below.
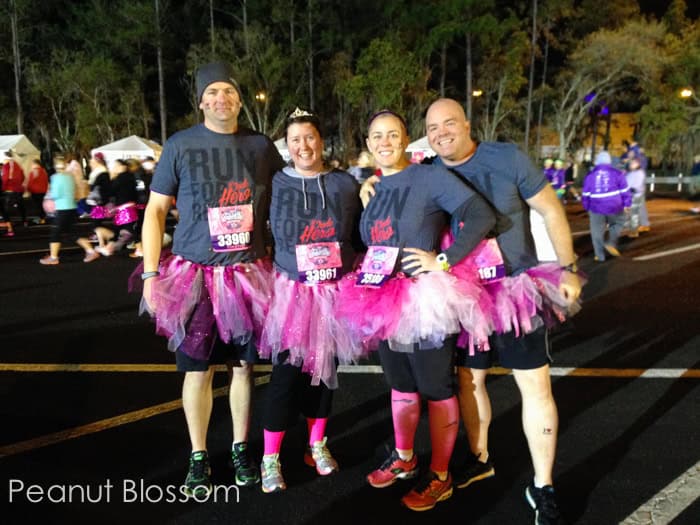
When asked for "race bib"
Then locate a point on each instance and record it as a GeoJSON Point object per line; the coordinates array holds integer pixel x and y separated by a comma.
{"type": "Point", "coordinates": [489, 261]}
{"type": "Point", "coordinates": [319, 262]}
{"type": "Point", "coordinates": [230, 227]}
{"type": "Point", "coordinates": [377, 266]}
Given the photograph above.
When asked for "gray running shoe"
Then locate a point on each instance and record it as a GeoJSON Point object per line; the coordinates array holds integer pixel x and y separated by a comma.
{"type": "Point", "coordinates": [271, 470]}
{"type": "Point", "coordinates": [320, 457]}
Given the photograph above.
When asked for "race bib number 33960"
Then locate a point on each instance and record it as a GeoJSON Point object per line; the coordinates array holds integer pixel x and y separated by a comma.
{"type": "Point", "coordinates": [230, 227]}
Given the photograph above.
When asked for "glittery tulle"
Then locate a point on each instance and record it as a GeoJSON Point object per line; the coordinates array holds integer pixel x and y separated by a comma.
{"type": "Point", "coordinates": [424, 309]}
{"type": "Point", "coordinates": [193, 302]}
{"type": "Point", "coordinates": [302, 319]}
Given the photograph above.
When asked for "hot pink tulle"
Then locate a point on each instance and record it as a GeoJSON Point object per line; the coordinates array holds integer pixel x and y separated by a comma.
{"type": "Point", "coordinates": [425, 309]}
{"type": "Point", "coordinates": [302, 319]}
{"type": "Point", "coordinates": [190, 297]}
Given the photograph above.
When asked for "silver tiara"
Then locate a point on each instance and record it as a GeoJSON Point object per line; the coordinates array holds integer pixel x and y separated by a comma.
{"type": "Point", "coordinates": [300, 113]}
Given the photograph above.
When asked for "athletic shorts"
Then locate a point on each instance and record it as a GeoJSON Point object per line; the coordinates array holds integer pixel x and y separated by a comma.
{"type": "Point", "coordinates": [220, 354]}
{"type": "Point", "coordinates": [526, 352]}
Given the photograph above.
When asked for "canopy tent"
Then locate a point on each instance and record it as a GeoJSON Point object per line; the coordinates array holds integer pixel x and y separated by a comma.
{"type": "Point", "coordinates": [281, 145]}
{"type": "Point", "coordinates": [133, 147]}
{"type": "Point", "coordinates": [23, 151]}
{"type": "Point", "coordinates": [419, 149]}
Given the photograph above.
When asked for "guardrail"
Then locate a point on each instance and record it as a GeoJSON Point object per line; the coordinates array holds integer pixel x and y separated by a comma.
{"type": "Point", "coordinates": [692, 182]}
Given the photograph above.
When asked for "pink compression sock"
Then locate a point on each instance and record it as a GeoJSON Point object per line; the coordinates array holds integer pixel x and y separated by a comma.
{"type": "Point", "coordinates": [444, 424]}
{"type": "Point", "coordinates": [273, 442]}
{"type": "Point", "coordinates": [405, 412]}
{"type": "Point", "coordinates": [317, 428]}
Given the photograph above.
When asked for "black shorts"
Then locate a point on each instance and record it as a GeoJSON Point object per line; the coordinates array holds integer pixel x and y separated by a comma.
{"type": "Point", "coordinates": [526, 352]}
{"type": "Point", "coordinates": [430, 372]}
{"type": "Point", "coordinates": [230, 353]}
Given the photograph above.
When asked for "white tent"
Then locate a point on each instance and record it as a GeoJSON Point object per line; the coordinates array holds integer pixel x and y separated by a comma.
{"type": "Point", "coordinates": [132, 147]}
{"type": "Point", "coordinates": [281, 145]}
{"type": "Point", "coordinates": [23, 150]}
{"type": "Point", "coordinates": [419, 149]}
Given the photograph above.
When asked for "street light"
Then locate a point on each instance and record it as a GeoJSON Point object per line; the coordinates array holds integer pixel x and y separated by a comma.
{"type": "Point", "coordinates": [260, 96]}
{"type": "Point", "coordinates": [686, 93]}
{"type": "Point", "coordinates": [477, 93]}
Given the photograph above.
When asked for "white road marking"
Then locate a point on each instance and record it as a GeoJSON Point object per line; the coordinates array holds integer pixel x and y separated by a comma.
{"type": "Point", "coordinates": [669, 502]}
{"type": "Point", "coordinates": [666, 252]}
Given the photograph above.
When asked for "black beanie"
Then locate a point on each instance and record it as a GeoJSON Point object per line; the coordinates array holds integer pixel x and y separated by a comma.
{"type": "Point", "coordinates": [214, 72]}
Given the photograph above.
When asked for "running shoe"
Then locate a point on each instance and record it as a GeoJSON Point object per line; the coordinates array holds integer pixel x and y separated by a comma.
{"type": "Point", "coordinates": [91, 256]}
{"type": "Point", "coordinates": [48, 260]}
{"type": "Point", "coordinates": [247, 473]}
{"type": "Point", "coordinates": [612, 250]}
{"type": "Point", "coordinates": [198, 481]}
{"type": "Point", "coordinates": [320, 457]}
{"type": "Point", "coordinates": [271, 470]}
{"type": "Point", "coordinates": [543, 501]}
{"type": "Point", "coordinates": [428, 492]}
{"type": "Point", "coordinates": [392, 469]}
{"type": "Point", "coordinates": [472, 471]}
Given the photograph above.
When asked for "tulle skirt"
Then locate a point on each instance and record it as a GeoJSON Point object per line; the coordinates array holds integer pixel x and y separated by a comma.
{"type": "Point", "coordinates": [421, 310]}
{"type": "Point", "coordinates": [302, 319]}
{"type": "Point", "coordinates": [520, 303]}
{"type": "Point", "coordinates": [193, 303]}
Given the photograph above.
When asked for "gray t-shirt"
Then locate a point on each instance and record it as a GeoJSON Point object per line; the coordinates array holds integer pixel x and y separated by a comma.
{"type": "Point", "coordinates": [203, 169]}
{"type": "Point", "coordinates": [506, 178]}
{"type": "Point", "coordinates": [307, 210]}
{"type": "Point", "coordinates": [410, 209]}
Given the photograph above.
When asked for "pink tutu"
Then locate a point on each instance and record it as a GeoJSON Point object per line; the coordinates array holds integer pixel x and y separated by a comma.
{"type": "Point", "coordinates": [524, 302]}
{"type": "Point", "coordinates": [424, 309]}
{"type": "Point", "coordinates": [193, 302]}
{"type": "Point", "coordinates": [302, 319]}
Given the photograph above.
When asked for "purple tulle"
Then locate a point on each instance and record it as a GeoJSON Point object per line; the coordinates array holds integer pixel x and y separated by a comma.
{"type": "Point", "coordinates": [302, 319]}
{"type": "Point", "coordinates": [193, 303]}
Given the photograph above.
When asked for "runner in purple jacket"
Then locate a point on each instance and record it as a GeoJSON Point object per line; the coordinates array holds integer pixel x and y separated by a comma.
{"type": "Point", "coordinates": [607, 197]}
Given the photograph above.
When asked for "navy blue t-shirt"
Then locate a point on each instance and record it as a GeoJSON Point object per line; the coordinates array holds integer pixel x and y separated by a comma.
{"type": "Point", "coordinates": [306, 210]}
{"type": "Point", "coordinates": [505, 177]}
{"type": "Point", "coordinates": [203, 169]}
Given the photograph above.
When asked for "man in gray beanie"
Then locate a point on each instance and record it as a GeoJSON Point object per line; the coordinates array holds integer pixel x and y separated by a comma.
{"type": "Point", "coordinates": [209, 296]}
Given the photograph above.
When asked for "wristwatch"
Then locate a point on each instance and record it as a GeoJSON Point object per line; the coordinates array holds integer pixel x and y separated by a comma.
{"type": "Point", "coordinates": [573, 267]}
{"type": "Point", "coordinates": [442, 260]}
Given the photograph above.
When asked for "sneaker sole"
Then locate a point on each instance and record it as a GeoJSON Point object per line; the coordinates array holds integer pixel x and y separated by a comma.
{"type": "Point", "coordinates": [273, 489]}
{"type": "Point", "coordinates": [445, 495]}
{"type": "Point", "coordinates": [206, 491]}
{"type": "Point", "coordinates": [404, 475]}
{"type": "Point", "coordinates": [491, 473]}
{"type": "Point", "coordinates": [247, 483]}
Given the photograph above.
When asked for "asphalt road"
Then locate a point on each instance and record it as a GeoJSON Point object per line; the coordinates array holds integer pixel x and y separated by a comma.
{"type": "Point", "coordinates": [90, 400]}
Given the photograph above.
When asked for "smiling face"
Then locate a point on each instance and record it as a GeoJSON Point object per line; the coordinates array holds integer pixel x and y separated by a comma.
{"type": "Point", "coordinates": [221, 105]}
{"type": "Point", "coordinates": [305, 148]}
{"type": "Point", "coordinates": [387, 141]}
{"type": "Point", "coordinates": [448, 131]}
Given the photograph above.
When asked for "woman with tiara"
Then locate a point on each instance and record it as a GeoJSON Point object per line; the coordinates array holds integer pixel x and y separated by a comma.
{"type": "Point", "coordinates": [313, 217]}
